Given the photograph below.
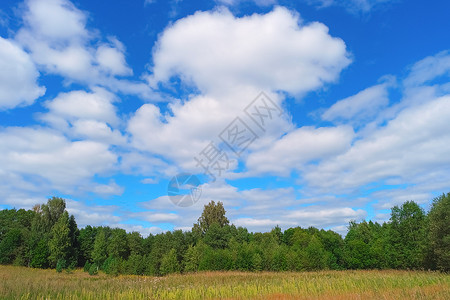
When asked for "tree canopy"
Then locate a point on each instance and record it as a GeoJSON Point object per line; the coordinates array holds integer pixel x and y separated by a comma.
{"type": "Point", "coordinates": [47, 236]}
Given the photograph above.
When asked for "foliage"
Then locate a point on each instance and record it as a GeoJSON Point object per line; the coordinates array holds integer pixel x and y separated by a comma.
{"type": "Point", "coordinates": [169, 263]}
{"type": "Point", "coordinates": [59, 244]}
{"type": "Point", "coordinates": [93, 270]}
{"type": "Point", "coordinates": [212, 214]}
{"type": "Point", "coordinates": [60, 265]}
{"type": "Point", "coordinates": [439, 231]}
{"type": "Point", "coordinates": [48, 237]}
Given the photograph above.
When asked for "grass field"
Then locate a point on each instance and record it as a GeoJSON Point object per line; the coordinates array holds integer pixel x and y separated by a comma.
{"type": "Point", "coordinates": [24, 283]}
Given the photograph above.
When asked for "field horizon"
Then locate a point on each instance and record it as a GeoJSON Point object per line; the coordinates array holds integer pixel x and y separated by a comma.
{"type": "Point", "coordinates": [28, 283]}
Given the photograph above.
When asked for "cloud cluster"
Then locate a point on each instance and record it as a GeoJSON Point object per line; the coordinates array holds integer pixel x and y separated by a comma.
{"type": "Point", "coordinates": [275, 51]}
{"type": "Point", "coordinates": [82, 140]}
{"type": "Point", "coordinates": [56, 35]}
{"type": "Point", "coordinates": [18, 76]}
{"type": "Point", "coordinates": [230, 61]}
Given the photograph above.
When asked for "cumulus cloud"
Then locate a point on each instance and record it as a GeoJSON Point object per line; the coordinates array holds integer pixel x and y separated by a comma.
{"type": "Point", "coordinates": [217, 51]}
{"type": "Point", "coordinates": [47, 158]}
{"type": "Point", "coordinates": [230, 60]}
{"type": "Point", "coordinates": [192, 125]}
{"type": "Point", "coordinates": [411, 145]}
{"type": "Point", "coordinates": [56, 35]}
{"type": "Point", "coordinates": [299, 147]}
{"type": "Point", "coordinates": [77, 105]}
{"type": "Point", "coordinates": [18, 77]}
{"type": "Point", "coordinates": [88, 115]}
{"type": "Point", "coordinates": [408, 149]}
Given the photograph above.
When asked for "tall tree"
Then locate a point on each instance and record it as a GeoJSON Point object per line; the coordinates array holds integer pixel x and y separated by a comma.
{"type": "Point", "coordinates": [118, 244]}
{"type": "Point", "coordinates": [212, 213]}
{"type": "Point", "coordinates": [51, 211]}
{"type": "Point", "coordinates": [60, 242]}
{"type": "Point", "coordinates": [408, 235]}
{"type": "Point", "coordinates": [169, 263]}
{"type": "Point", "coordinates": [439, 231]}
{"type": "Point", "coordinates": [86, 240]}
{"type": "Point", "coordinates": [99, 252]}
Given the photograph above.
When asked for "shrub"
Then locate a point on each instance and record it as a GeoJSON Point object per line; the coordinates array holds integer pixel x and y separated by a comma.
{"type": "Point", "coordinates": [93, 270]}
{"type": "Point", "coordinates": [60, 265]}
{"type": "Point", "coordinates": [87, 266]}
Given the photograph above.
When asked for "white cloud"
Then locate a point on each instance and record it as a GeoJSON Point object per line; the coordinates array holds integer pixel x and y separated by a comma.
{"type": "Point", "coordinates": [47, 158]}
{"type": "Point", "coordinates": [77, 105]}
{"type": "Point", "coordinates": [217, 51]}
{"type": "Point", "coordinates": [144, 164]}
{"type": "Point", "coordinates": [264, 225]}
{"type": "Point", "coordinates": [353, 6]}
{"type": "Point", "coordinates": [231, 60]}
{"type": "Point", "coordinates": [408, 147]}
{"type": "Point", "coordinates": [149, 181]}
{"type": "Point", "coordinates": [257, 2]}
{"type": "Point", "coordinates": [94, 215]}
{"type": "Point", "coordinates": [157, 217]}
{"type": "Point", "coordinates": [112, 60]}
{"type": "Point", "coordinates": [112, 188]}
{"type": "Point", "coordinates": [361, 107]}
{"type": "Point", "coordinates": [324, 217]}
{"type": "Point", "coordinates": [191, 126]}
{"type": "Point", "coordinates": [55, 34]}
{"type": "Point", "coordinates": [87, 115]}
{"type": "Point", "coordinates": [298, 148]}
{"type": "Point", "coordinates": [18, 77]}
{"type": "Point", "coordinates": [56, 20]}
{"type": "Point", "coordinates": [428, 69]}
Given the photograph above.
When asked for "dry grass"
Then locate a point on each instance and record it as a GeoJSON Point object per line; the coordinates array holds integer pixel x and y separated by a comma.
{"type": "Point", "coordinates": [24, 283]}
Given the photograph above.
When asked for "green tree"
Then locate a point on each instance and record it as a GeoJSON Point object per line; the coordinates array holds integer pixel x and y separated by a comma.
{"type": "Point", "coordinates": [408, 236]}
{"type": "Point", "coordinates": [278, 234]}
{"type": "Point", "coordinates": [169, 263]}
{"type": "Point", "coordinates": [60, 243]}
{"type": "Point", "coordinates": [134, 264]}
{"type": "Point", "coordinates": [52, 211]}
{"type": "Point", "coordinates": [217, 236]}
{"type": "Point", "coordinates": [9, 245]}
{"type": "Point", "coordinates": [74, 249]}
{"type": "Point", "coordinates": [135, 243]}
{"type": "Point", "coordinates": [118, 244]}
{"type": "Point", "coordinates": [192, 258]}
{"type": "Point", "coordinates": [257, 262]}
{"type": "Point", "coordinates": [316, 255]}
{"type": "Point", "coordinates": [99, 252]}
{"type": "Point", "coordinates": [439, 231]}
{"type": "Point", "coordinates": [212, 213]}
{"type": "Point", "coordinates": [86, 241]}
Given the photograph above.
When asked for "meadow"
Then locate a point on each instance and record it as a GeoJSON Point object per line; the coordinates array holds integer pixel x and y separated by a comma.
{"type": "Point", "coordinates": [27, 283]}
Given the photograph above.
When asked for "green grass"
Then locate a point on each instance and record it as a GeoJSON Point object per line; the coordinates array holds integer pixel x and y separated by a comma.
{"type": "Point", "coordinates": [25, 283]}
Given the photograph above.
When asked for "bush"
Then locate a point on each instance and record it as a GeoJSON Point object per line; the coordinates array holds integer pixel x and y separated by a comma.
{"type": "Point", "coordinates": [169, 263]}
{"type": "Point", "coordinates": [87, 266]}
{"type": "Point", "coordinates": [93, 270]}
{"type": "Point", "coordinates": [60, 265]}
{"type": "Point", "coordinates": [111, 266]}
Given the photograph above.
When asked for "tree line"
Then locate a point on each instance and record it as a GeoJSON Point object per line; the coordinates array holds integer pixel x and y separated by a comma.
{"type": "Point", "coordinates": [47, 237]}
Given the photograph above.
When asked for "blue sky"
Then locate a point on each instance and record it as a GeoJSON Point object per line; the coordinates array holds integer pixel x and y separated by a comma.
{"type": "Point", "coordinates": [304, 113]}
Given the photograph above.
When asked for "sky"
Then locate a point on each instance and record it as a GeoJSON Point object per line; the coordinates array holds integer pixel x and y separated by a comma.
{"type": "Point", "coordinates": [292, 113]}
